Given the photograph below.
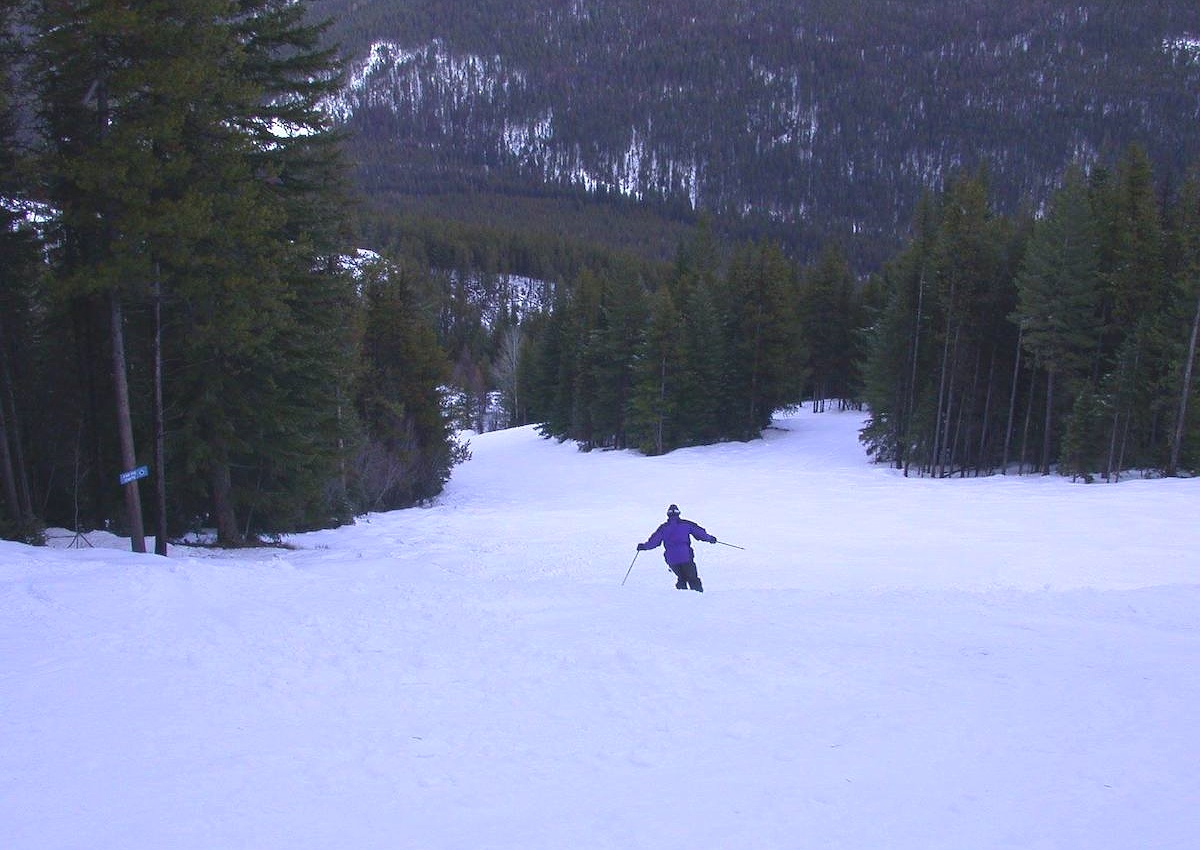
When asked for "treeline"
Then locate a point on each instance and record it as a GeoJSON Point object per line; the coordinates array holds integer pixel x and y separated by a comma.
{"type": "Point", "coordinates": [177, 290]}
{"type": "Point", "coordinates": [483, 282]}
{"type": "Point", "coordinates": [705, 352]}
{"type": "Point", "coordinates": [1065, 341]}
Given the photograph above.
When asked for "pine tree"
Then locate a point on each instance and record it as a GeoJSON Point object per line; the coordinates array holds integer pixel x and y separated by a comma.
{"type": "Point", "coordinates": [1135, 363]}
{"type": "Point", "coordinates": [764, 339]}
{"type": "Point", "coordinates": [898, 348]}
{"type": "Point", "coordinates": [700, 377]}
{"type": "Point", "coordinates": [938, 343]}
{"type": "Point", "coordinates": [18, 276]}
{"type": "Point", "coordinates": [1059, 298]}
{"type": "Point", "coordinates": [610, 350]}
{"type": "Point", "coordinates": [192, 164]}
{"type": "Point", "coordinates": [654, 416]}
{"type": "Point", "coordinates": [115, 83]}
{"type": "Point", "coordinates": [969, 275]}
{"type": "Point", "coordinates": [409, 447]}
{"type": "Point", "coordinates": [830, 327]}
{"type": "Point", "coordinates": [1186, 236]}
{"type": "Point", "coordinates": [586, 323]}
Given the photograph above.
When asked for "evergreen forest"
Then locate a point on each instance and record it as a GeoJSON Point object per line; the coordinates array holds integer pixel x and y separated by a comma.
{"type": "Point", "coordinates": [214, 278]}
{"type": "Point", "coordinates": [181, 295]}
{"type": "Point", "coordinates": [794, 121]}
{"type": "Point", "coordinates": [989, 343]}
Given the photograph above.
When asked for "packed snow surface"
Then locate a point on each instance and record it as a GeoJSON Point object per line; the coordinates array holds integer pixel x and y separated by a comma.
{"type": "Point", "coordinates": [889, 662]}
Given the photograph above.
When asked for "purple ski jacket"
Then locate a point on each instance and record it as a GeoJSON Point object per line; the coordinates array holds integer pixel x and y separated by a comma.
{"type": "Point", "coordinates": [675, 536]}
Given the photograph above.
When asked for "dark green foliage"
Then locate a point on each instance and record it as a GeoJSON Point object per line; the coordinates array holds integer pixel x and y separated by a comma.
{"type": "Point", "coordinates": [262, 295]}
{"type": "Point", "coordinates": [707, 353]}
{"type": "Point", "coordinates": [1133, 362]}
{"type": "Point", "coordinates": [1059, 285]}
{"type": "Point", "coordinates": [654, 414]}
{"type": "Point", "coordinates": [1084, 450]}
{"type": "Point", "coordinates": [938, 368]}
{"type": "Point", "coordinates": [898, 347]}
{"type": "Point", "coordinates": [1058, 307]}
{"type": "Point", "coordinates": [1184, 323]}
{"type": "Point", "coordinates": [194, 176]}
{"type": "Point", "coordinates": [765, 337]}
{"type": "Point", "coordinates": [19, 278]}
{"type": "Point", "coordinates": [408, 447]}
{"type": "Point", "coordinates": [581, 355]}
{"type": "Point", "coordinates": [1101, 297]}
{"type": "Point", "coordinates": [832, 320]}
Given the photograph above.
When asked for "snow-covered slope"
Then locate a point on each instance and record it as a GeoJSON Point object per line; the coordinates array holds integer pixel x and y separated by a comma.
{"type": "Point", "coordinates": [888, 663]}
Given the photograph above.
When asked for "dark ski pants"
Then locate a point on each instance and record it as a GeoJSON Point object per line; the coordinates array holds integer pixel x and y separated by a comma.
{"type": "Point", "coordinates": [687, 576]}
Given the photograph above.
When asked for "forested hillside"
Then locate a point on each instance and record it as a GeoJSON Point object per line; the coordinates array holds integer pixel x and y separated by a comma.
{"type": "Point", "coordinates": [643, 227]}
{"type": "Point", "coordinates": [793, 120]}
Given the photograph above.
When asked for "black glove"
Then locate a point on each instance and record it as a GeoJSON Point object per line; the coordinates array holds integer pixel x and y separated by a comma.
{"type": "Point", "coordinates": [714, 540]}
{"type": "Point", "coordinates": [641, 547]}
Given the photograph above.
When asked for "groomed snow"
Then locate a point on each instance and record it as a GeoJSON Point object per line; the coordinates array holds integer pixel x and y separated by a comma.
{"type": "Point", "coordinates": [890, 663]}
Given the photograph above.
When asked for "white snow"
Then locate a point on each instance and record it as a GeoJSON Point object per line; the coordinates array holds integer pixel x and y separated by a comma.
{"type": "Point", "coordinates": [890, 663]}
{"type": "Point", "coordinates": [402, 79]}
{"type": "Point", "coordinates": [1187, 46]}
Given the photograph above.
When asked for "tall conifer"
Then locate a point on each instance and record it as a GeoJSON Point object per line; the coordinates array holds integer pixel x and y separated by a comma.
{"type": "Point", "coordinates": [1059, 299]}
{"type": "Point", "coordinates": [1186, 236]}
{"type": "Point", "coordinates": [18, 275]}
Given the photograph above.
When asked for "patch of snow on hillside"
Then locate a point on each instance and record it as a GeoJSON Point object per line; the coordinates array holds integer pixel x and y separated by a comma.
{"type": "Point", "coordinates": [1186, 46]}
{"type": "Point", "coordinates": [403, 79]}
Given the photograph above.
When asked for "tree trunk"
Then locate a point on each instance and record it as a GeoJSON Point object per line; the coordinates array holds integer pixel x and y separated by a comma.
{"type": "Point", "coordinates": [910, 401]}
{"type": "Point", "coordinates": [662, 398]}
{"type": "Point", "coordinates": [84, 315]}
{"type": "Point", "coordinates": [1111, 475]}
{"type": "Point", "coordinates": [1122, 420]}
{"type": "Point", "coordinates": [223, 511]}
{"type": "Point", "coordinates": [935, 459]}
{"type": "Point", "coordinates": [1028, 419]}
{"type": "Point", "coordinates": [946, 412]}
{"type": "Point", "coordinates": [1012, 403]}
{"type": "Point", "coordinates": [1185, 392]}
{"type": "Point", "coordinates": [1124, 443]}
{"type": "Point", "coordinates": [133, 499]}
{"type": "Point", "coordinates": [6, 471]}
{"type": "Point", "coordinates": [752, 419]}
{"type": "Point", "coordinates": [12, 455]}
{"type": "Point", "coordinates": [1048, 434]}
{"type": "Point", "coordinates": [985, 426]}
{"type": "Point", "coordinates": [160, 463]}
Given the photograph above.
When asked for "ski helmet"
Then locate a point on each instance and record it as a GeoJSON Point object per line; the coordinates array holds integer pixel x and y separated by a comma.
{"type": "Point", "coordinates": [673, 510]}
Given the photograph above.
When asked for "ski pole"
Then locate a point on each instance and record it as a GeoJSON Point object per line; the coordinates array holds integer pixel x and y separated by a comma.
{"type": "Point", "coordinates": [731, 546]}
{"type": "Point", "coordinates": [631, 563]}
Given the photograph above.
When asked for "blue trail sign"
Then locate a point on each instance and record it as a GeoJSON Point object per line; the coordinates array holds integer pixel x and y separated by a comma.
{"type": "Point", "coordinates": [134, 474]}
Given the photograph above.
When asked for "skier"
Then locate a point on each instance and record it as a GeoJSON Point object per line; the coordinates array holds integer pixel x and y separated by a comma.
{"type": "Point", "coordinates": [675, 536]}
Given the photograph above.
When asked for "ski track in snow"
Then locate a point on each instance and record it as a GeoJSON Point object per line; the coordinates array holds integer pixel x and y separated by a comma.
{"type": "Point", "coordinates": [891, 662]}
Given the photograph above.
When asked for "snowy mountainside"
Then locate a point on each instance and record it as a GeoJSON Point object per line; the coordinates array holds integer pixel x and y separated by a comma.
{"type": "Point", "coordinates": [817, 116]}
{"type": "Point", "coordinates": [456, 96]}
